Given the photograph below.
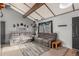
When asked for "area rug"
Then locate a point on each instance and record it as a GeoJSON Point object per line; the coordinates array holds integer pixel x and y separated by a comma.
{"type": "Point", "coordinates": [32, 49]}
{"type": "Point", "coordinates": [35, 49]}
{"type": "Point", "coordinates": [55, 52]}
{"type": "Point", "coordinates": [71, 52]}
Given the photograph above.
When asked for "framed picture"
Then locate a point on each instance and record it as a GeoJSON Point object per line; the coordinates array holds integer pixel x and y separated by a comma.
{"type": "Point", "coordinates": [14, 25]}
{"type": "Point", "coordinates": [17, 25]}
{"type": "Point", "coordinates": [21, 24]}
{"type": "Point", "coordinates": [25, 25]}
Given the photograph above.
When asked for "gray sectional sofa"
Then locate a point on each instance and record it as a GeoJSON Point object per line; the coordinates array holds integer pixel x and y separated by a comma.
{"type": "Point", "coordinates": [46, 38]}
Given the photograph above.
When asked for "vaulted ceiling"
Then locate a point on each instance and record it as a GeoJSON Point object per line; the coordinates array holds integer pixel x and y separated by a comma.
{"type": "Point", "coordinates": [44, 11]}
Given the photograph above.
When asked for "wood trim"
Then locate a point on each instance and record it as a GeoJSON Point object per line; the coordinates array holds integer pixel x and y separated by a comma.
{"type": "Point", "coordinates": [26, 5]}
{"type": "Point", "coordinates": [35, 11]}
{"type": "Point", "coordinates": [50, 10]}
{"type": "Point", "coordinates": [34, 8]}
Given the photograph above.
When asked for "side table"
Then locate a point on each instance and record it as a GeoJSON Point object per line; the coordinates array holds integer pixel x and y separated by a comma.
{"type": "Point", "coordinates": [56, 44]}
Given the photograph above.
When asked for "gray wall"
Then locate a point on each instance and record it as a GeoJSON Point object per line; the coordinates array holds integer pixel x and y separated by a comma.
{"type": "Point", "coordinates": [64, 33]}
{"type": "Point", "coordinates": [12, 17]}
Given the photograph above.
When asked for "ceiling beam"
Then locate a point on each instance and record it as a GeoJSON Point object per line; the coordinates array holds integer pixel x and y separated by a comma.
{"type": "Point", "coordinates": [34, 8]}
{"type": "Point", "coordinates": [50, 10]}
{"type": "Point", "coordinates": [73, 7]}
{"type": "Point", "coordinates": [35, 11]}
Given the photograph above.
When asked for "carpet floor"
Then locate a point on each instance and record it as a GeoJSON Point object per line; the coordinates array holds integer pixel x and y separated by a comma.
{"type": "Point", "coordinates": [32, 49]}
{"type": "Point", "coordinates": [35, 49]}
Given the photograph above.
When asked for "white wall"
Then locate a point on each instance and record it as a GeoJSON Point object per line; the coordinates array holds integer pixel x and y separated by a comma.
{"type": "Point", "coordinates": [12, 17]}
{"type": "Point", "coordinates": [64, 33]}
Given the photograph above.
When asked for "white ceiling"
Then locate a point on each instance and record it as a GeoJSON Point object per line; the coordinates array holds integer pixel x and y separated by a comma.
{"type": "Point", "coordinates": [21, 6]}
{"type": "Point", "coordinates": [43, 11]}
{"type": "Point", "coordinates": [30, 4]}
{"type": "Point", "coordinates": [31, 18]}
{"type": "Point", "coordinates": [57, 10]}
{"type": "Point", "coordinates": [35, 16]}
{"type": "Point", "coordinates": [17, 10]}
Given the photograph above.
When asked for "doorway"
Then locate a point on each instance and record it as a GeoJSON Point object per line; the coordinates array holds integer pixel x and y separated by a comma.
{"type": "Point", "coordinates": [75, 32]}
{"type": "Point", "coordinates": [2, 23]}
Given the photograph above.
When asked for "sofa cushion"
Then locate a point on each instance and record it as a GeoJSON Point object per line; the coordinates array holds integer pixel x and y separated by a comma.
{"type": "Point", "coordinates": [46, 38]}
{"type": "Point", "coordinates": [47, 35]}
{"type": "Point", "coordinates": [39, 40]}
{"type": "Point", "coordinates": [45, 41]}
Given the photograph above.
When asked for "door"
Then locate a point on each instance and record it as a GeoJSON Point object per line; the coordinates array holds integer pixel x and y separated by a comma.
{"type": "Point", "coordinates": [75, 32]}
{"type": "Point", "coordinates": [2, 32]}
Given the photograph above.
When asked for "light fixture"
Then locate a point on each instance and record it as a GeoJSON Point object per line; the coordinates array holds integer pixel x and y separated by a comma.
{"type": "Point", "coordinates": [64, 5]}
{"type": "Point", "coordinates": [1, 7]}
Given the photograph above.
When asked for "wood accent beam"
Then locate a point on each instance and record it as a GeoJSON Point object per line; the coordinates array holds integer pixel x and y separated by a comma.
{"type": "Point", "coordinates": [35, 11]}
{"type": "Point", "coordinates": [50, 10]}
{"type": "Point", "coordinates": [34, 8]}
